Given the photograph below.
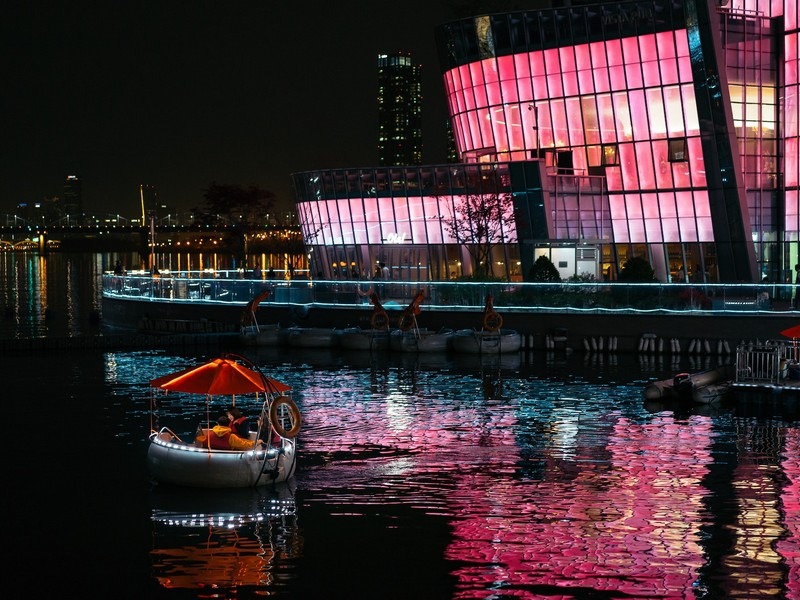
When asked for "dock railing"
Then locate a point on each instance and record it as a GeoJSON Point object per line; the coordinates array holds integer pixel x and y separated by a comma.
{"type": "Point", "coordinates": [593, 297]}
{"type": "Point", "coordinates": [763, 364]}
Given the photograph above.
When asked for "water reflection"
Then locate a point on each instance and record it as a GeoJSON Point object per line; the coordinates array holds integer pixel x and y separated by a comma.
{"type": "Point", "coordinates": [221, 540]}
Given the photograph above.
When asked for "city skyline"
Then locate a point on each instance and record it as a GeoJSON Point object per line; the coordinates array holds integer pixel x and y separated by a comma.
{"type": "Point", "coordinates": [242, 95]}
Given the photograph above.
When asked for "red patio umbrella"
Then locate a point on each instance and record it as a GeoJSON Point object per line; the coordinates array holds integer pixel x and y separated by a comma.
{"type": "Point", "coordinates": [219, 376]}
{"type": "Point", "coordinates": [794, 333]}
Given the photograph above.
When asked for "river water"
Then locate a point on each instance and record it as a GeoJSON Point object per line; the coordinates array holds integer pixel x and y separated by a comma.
{"type": "Point", "coordinates": [541, 475]}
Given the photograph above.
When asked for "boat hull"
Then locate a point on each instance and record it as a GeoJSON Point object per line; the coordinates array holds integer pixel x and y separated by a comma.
{"type": "Point", "coordinates": [264, 335]}
{"type": "Point", "coordinates": [354, 338]}
{"type": "Point", "coordinates": [176, 463]}
{"type": "Point", "coordinates": [420, 341]}
{"type": "Point", "coordinates": [468, 341]}
{"type": "Point", "coordinates": [312, 337]}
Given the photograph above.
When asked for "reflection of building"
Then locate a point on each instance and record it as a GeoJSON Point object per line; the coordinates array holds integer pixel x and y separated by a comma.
{"type": "Point", "coordinates": [399, 110]}
{"type": "Point", "coordinates": [665, 130]}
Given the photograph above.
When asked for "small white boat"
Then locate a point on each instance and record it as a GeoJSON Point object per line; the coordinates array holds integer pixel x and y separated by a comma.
{"type": "Point", "coordinates": [420, 340]}
{"type": "Point", "coordinates": [253, 334]}
{"type": "Point", "coordinates": [193, 462]}
{"type": "Point", "coordinates": [471, 341]}
{"type": "Point", "coordinates": [312, 337]}
{"type": "Point", "coordinates": [356, 338]}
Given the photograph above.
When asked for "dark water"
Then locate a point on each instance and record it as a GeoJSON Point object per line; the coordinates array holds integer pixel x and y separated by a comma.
{"type": "Point", "coordinates": [538, 476]}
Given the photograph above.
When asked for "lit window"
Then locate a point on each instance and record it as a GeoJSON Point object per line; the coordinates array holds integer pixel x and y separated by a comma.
{"type": "Point", "coordinates": [610, 155]}
{"type": "Point", "coordinates": [677, 150]}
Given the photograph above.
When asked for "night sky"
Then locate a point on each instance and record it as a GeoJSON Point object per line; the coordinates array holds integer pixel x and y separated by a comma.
{"type": "Point", "coordinates": [182, 94]}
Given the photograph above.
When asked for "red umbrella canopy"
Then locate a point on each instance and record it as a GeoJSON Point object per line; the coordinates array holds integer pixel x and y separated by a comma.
{"type": "Point", "coordinates": [219, 376]}
{"type": "Point", "coordinates": [792, 332]}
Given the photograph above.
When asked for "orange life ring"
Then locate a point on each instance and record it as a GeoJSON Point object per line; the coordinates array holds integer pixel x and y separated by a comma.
{"type": "Point", "coordinates": [492, 321]}
{"type": "Point", "coordinates": [380, 320]}
{"type": "Point", "coordinates": [275, 417]}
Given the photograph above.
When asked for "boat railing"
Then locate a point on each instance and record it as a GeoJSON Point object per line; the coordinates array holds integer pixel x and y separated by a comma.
{"type": "Point", "coordinates": [593, 297]}
{"type": "Point", "coordinates": [765, 363]}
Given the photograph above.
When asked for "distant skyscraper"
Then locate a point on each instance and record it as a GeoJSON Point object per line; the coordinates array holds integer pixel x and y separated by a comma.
{"type": "Point", "coordinates": [72, 202]}
{"type": "Point", "coordinates": [399, 110]}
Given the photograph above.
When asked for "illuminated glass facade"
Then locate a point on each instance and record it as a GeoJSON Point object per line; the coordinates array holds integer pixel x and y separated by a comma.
{"type": "Point", "coordinates": [657, 129]}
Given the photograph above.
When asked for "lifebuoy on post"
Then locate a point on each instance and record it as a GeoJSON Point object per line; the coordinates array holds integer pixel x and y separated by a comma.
{"type": "Point", "coordinates": [380, 320]}
{"type": "Point", "coordinates": [276, 417]}
{"type": "Point", "coordinates": [492, 321]}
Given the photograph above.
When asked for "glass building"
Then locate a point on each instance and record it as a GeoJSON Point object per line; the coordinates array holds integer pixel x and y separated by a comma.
{"type": "Point", "coordinates": [399, 110]}
{"type": "Point", "coordinates": [666, 130]}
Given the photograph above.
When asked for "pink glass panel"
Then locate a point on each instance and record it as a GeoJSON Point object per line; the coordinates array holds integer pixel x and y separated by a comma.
{"type": "Point", "coordinates": [705, 229]}
{"type": "Point", "coordinates": [500, 129]}
{"type": "Point", "coordinates": [478, 85]}
{"type": "Point", "coordinates": [617, 75]}
{"type": "Point", "coordinates": [674, 112]}
{"type": "Point", "coordinates": [791, 163]}
{"type": "Point", "coordinates": [487, 137]}
{"type": "Point", "coordinates": [648, 51]}
{"type": "Point", "coordinates": [697, 167]}
{"type": "Point", "coordinates": [514, 126]}
{"type": "Point", "coordinates": [669, 227]}
{"type": "Point", "coordinates": [652, 229]}
{"type": "Point", "coordinates": [666, 205]}
{"type": "Point", "coordinates": [628, 163]}
{"type": "Point", "coordinates": [681, 43]}
{"type": "Point", "coordinates": [669, 71]}
{"type": "Point", "coordinates": [522, 65]}
{"type": "Point", "coordinates": [509, 91]}
{"type": "Point", "coordinates": [650, 206]}
{"type": "Point", "coordinates": [691, 120]}
{"type": "Point", "coordinates": [474, 130]}
{"type": "Point", "coordinates": [638, 116]}
{"type": "Point", "coordinates": [493, 95]}
{"type": "Point", "coordinates": [614, 52]}
{"type": "Point", "coordinates": [792, 211]}
{"type": "Point", "coordinates": [574, 122]}
{"type": "Point", "coordinates": [619, 218]}
{"type": "Point", "coordinates": [630, 50]}
{"type": "Point", "coordinates": [537, 64]}
{"type": "Point", "coordinates": [488, 70]}
{"type": "Point", "coordinates": [623, 117]}
{"type": "Point", "coordinates": [685, 70]}
{"type": "Point", "coordinates": [506, 68]}
{"type": "Point", "coordinates": [636, 228]}
{"type": "Point", "coordinates": [701, 205]}
{"type": "Point", "coordinates": [633, 206]}
{"type": "Point", "coordinates": [655, 108]}
{"type": "Point", "coordinates": [568, 71]}
{"type": "Point", "coordinates": [663, 170]}
{"type": "Point", "coordinates": [614, 179]}
{"type": "Point", "coordinates": [665, 43]}
{"type": "Point", "coordinates": [586, 81]}
{"type": "Point", "coordinates": [681, 174]}
{"type": "Point", "coordinates": [651, 73]}
{"type": "Point", "coordinates": [599, 66]}
{"type": "Point", "coordinates": [590, 122]}
{"type": "Point", "coordinates": [644, 161]}
{"type": "Point", "coordinates": [633, 75]}
{"type": "Point", "coordinates": [545, 126]}
{"type": "Point", "coordinates": [540, 88]}
{"type": "Point", "coordinates": [605, 112]}
{"type": "Point", "coordinates": [559, 123]}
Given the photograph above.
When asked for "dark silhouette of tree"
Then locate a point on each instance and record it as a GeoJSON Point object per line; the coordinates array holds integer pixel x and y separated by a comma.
{"type": "Point", "coordinates": [236, 204]}
{"type": "Point", "coordinates": [544, 270]}
{"type": "Point", "coordinates": [636, 270]}
{"type": "Point", "coordinates": [477, 220]}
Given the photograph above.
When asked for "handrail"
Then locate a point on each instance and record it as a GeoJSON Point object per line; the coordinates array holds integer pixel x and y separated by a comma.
{"type": "Point", "coordinates": [232, 287]}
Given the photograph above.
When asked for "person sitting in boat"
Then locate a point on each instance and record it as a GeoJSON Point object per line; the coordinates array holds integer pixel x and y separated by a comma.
{"type": "Point", "coordinates": [222, 438]}
{"type": "Point", "coordinates": [240, 425]}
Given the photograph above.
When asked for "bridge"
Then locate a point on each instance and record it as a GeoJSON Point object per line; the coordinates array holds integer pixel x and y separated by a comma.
{"type": "Point", "coordinates": [101, 232]}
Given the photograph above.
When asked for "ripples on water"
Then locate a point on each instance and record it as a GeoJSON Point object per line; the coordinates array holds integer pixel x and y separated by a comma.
{"type": "Point", "coordinates": [451, 478]}
{"type": "Point", "coordinates": [433, 477]}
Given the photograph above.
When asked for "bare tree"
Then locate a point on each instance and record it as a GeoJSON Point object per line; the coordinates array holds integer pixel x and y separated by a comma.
{"type": "Point", "coordinates": [477, 220]}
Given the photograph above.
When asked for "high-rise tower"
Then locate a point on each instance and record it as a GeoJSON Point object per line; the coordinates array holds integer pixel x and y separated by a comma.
{"type": "Point", "coordinates": [72, 202]}
{"type": "Point", "coordinates": [399, 110]}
